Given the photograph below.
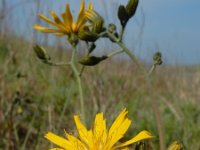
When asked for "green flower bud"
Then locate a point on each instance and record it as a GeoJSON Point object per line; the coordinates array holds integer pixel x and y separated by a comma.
{"type": "Point", "coordinates": [96, 19]}
{"type": "Point", "coordinates": [175, 146]}
{"type": "Point", "coordinates": [157, 58]}
{"type": "Point", "coordinates": [131, 7]}
{"type": "Point", "coordinates": [41, 53]}
{"type": "Point", "coordinates": [86, 35]}
{"type": "Point", "coordinates": [91, 60]}
{"type": "Point", "coordinates": [123, 15]}
{"type": "Point", "coordinates": [97, 26]}
{"type": "Point", "coordinates": [112, 28]}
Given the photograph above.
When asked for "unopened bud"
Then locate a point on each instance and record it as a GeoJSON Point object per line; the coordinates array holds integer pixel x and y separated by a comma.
{"type": "Point", "coordinates": [131, 7]}
{"type": "Point", "coordinates": [41, 53]}
{"type": "Point", "coordinates": [97, 26]}
{"type": "Point", "coordinates": [19, 110]}
{"type": "Point", "coordinates": [157, 58]}
{"type": "Point", "coordinates": [86, 35]}
{"type": "Point", "coordinates": [96, 19]}
{"type": "Point", "coordinates": [175, 146]}
{"type": "Point", "coordinates": [123, 15]}
{"type": "Point", "coordinates": [91, 60]}
{"type": "Point", "coordinates": [112, 28]}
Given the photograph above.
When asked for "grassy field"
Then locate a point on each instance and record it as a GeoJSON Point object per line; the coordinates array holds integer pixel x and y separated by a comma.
{"type": "Point", "coordinates": [36, 98]}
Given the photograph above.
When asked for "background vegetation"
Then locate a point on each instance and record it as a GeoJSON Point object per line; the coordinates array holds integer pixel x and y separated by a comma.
{"type": "Point", "coordinates": [36, 98]}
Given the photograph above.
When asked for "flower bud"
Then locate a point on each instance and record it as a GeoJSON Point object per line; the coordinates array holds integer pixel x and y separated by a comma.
{"type": "Point", "coordinates": [175, 146]}
{"type": "Point", "coordinates": [91, 60]}
{"type": "Point", "coordinates": [41, 53]}
{"type": "Point", "coordinates": [157, 58]}
{"type": "Point", "coordinates": [97, 26]}
{"type": "Point", "coordinates": [87, 35]}
{"type": "Point", "coordinates": [96, 19]}
{"type": "Point", "coordinates": [123, 15]}
{"type": "Point", "coordinates": [131, 7]}
{"type": "Point", "coordinates": [112, 28]}
{"type": "Point", "coordinates": [19, 110]}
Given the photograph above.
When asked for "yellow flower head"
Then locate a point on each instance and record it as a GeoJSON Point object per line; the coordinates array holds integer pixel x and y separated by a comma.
{"type": "Point", "coordinates": [66, 25]}
{"type": "Point", "coordinates": [98, 138]}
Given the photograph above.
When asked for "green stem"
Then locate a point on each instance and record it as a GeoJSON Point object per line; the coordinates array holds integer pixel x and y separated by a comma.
{"type": "Point", "coordinates": [151, 70]}
{"type": "Point", "coordinates": [56, 64]}
{"type": "Point", "coordinates": [115, 53]}
{"type": "Point", "coordinates": [77, 76]}
{"type": "Point", "coordinates": [127, 51]}
{"type": "Point", "coordinates": [121, 34]}
{"type": "Point", "coordinates": [149, 84]}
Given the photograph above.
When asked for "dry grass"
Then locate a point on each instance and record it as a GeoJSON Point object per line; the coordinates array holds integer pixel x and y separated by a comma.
{"type": "Point", "coordinates": [48, 98]}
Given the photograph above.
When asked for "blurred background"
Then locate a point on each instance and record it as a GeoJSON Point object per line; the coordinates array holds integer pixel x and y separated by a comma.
{"type": "Point", "coordinates": [36, 98]}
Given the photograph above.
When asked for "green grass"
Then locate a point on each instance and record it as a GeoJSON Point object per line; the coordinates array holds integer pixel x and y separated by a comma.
{"type": "Point", "coordinates": [48, 97]}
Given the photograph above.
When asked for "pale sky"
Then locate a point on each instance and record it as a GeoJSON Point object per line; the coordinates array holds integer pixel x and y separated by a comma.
{"type": "Point", "coordinates": [170, 26]}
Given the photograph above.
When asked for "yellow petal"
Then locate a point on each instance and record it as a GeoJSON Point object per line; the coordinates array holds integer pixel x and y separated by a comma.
{"type": "Point", "coordinates": [55, 17]}
{"type": "Point", "coordinates": [99, 129]}
{"type": "Point", "coordinates": [81, 17]}
{"type": "Point", "coordinates": [67, 16]}
{"type": "Point", "coordinates": [92, 15]}
{"type": "Point", "coordinates": [116, 124]}
{"type": "Point", "coordinates": [119, 127]}
{"type": "Point", "coordinates": [83, 132]}
{"type": "Point", "coordinates": [57, 149]}
{"type": "Point", "coordinates": [58, 24]}
{"type": "Point", "coordinates": [59, 34]}
{"type": "Point", "coordinates": [141, 136]}
{"type": "Point", "coordinates": [82, 8]}
{"type": "Point", "coordinates": [46, 30]}
{"type": "Point", "coordinates": [76, 143]}
{"type": "Point", "coordinates": [47, 19]}
{"type": "Point", "coordinates": [90, 6]}
{"type": "Point", "coordinates": [119, 133]}
{"type": "Point", "coordinates": [63, 143]}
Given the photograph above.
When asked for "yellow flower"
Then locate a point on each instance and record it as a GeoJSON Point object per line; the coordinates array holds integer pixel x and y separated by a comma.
{"type": "Point", "coordinates": [98, 138]}
{"type": "Point", "coordinates": [66, 25]}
